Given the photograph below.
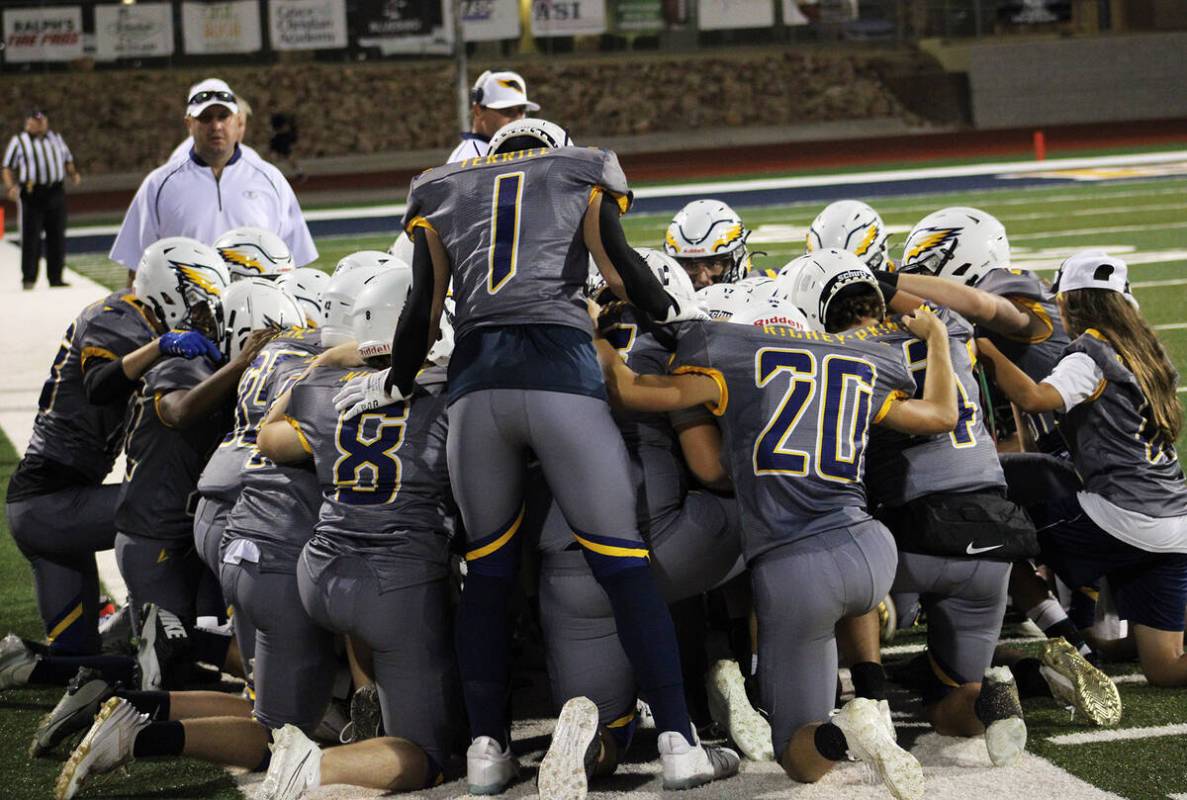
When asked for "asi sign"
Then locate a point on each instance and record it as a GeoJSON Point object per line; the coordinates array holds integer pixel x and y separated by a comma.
{"type": "Point", "coordinates": [568, 17]}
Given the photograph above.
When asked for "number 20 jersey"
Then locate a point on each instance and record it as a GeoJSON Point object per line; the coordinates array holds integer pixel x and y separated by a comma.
{"type": "Point", "coordinates": [512, 226]}
{"type": "Point", "coordinates": [796, 411]}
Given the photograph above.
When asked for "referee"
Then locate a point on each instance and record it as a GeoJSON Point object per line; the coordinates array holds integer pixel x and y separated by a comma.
{"type": "Point", "coordinates": [36, 163]}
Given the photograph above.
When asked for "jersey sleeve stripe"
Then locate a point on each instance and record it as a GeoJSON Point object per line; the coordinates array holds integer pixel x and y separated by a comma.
{"type": "Point", "coordinates": [1036, 308]}
{"type": "Point", "coordinates": [719, 407]}
{"type": "Point", "coordinates": [301, 437]}
{"type": "Point", "coordinates": [891, 399]}
{"type": "Point", "coordinates": [623, 200]}
{"type": "Point", "coordinates": [418, 222]}
{"type": "Point", "coordinates": [96, 352]}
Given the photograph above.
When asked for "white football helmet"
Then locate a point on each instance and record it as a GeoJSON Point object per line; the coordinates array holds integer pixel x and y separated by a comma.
{"type": "Point", "coordinates": [957, 243]}
{"type": "Point", "coordinates": [363, 258]}
{"type": "Point", "coordinates": [854, 226]}
{"type": "Point", "coordinates": [548, 134]}
{"type": "Point", "coordinates": [183, 282]}
{"type": "Point", "coordinates": [772, 312]}
{"type": "Point", "coordinates": [709, 231]}
{"type": "Point", "coordinates": [402, 248]}
{"type": "Point", "coordinates": [253, 253]}
{"type": "Point", "coordinates": [252, 304]}
{"type": "Point", "coordinates": [442, 349]}
{"type": "Point", "coordinates": [344, 287]}
{"type": "Point", "coordinates": [305, 285]}
{"type": "Point", "coordinates": [594, 282]}
{"type": "Point", "coordinates": [821, 277]}
{"type": "Point", "coordinates": [723, 301]}
{"type": "Point", "coordinates": [377, 308]}
{"type": "Point", "coordinates": [761, 288]}
{"type": "Point", "coordinates": [670, 276]}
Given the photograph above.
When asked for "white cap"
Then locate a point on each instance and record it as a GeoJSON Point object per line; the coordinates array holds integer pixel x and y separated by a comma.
{"type": "Point", "coordinates": [502, 90]}
{"type": "Point", "coordinates": [1093, 269]}
{"type": "Point", "coordinates": [214, 92]}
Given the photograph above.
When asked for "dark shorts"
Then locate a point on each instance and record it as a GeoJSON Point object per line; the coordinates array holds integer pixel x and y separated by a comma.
{"type": "Point", "coordinates": [1151, 588]}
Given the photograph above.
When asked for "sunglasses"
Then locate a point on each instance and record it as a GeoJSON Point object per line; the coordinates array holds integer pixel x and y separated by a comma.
{"type": "Point", "coordinates": [202, 97]}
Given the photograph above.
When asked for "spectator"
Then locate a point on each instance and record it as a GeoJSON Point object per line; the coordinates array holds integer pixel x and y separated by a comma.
{"type": "Point", "coordinates": [284, 136]}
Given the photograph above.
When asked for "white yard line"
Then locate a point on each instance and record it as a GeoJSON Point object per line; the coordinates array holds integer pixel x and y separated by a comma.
{"type": "Point", "coordinates": [1119, 734]}
{"type": "Point", "coordinates": [1095, 231]}
{"type": "Point", "coordinates": [907, 649]}
{"type": "Point", "coordinates": [1136, 678]}
{"type": "Point", "coordinates": [1171, 326]}
{"type": "Point", "coordinates": [1156, 284]}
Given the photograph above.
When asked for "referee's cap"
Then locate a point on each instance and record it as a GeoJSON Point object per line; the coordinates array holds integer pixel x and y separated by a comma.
{"type": "Point", "coordinates": [502, 90]}
{"type": "Point", "coordinates": [34, 113]}
{"type": "Point", "coordinates": [210, 92]}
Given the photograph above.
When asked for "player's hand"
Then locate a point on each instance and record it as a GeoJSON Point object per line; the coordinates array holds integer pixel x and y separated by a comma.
{"type": "Point", "coordinates": [924, 324]}
{"type": "Point", "coordinates": [188, 344]}
{"type": "Point", "coordinates": [255, 343]}
{"type": "Point", "coordinates": [366, 394]}
{"type": "Point", "coordinates": [678, 314]}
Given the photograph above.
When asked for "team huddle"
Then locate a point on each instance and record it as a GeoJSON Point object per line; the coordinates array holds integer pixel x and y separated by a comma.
{"type": "Point", "coordinates": [705, 486]}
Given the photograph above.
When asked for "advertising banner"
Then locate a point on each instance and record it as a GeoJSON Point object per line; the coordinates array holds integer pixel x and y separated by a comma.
{"type": "Point", "coordinates": [721, 14]}
{"type": "Point", "coordinates": [568, 17]}
{"type": "Point", "coordinates": [42, 34]}
{"type": "Point", "coordinates": [490, 20]}
{"type": "Point", "coordinates": [143, 30]}
{"type": "Point", "coordinates": [307, 24]}
{"type": "Point", "coordinates": [639, 15]}
{"type": "Point", "coordinates": [229, 27]}
{"type": "Point", "coordinates": [402, 26]}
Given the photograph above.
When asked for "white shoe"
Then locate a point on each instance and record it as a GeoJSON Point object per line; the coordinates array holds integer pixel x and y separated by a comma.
{"type": "Point", "coordinates": [1076, 682]}
{"type": "Point", "coordinates": [730, 708]}
{"type": "Point", "coordinates": [689, 765]}
{"type": "Point", "coordinates": [1000, 710]}
{"type": "Point", "coordinates": [864, 727]}
{"type": "Point", "coordinates": [16, 662]}
{"type": "Point", "coordinates": [489, 768]}
{"type": "Point", "coordinates": [107, 745]}
{"type": "Point", "coordinates": [567, 766]}
{"type": "Point", "coordinates": [295, 765]}
{"type": "Point", "coordinates": [887, 719]}
{"type": "Point", "coordinates": [646, 718]}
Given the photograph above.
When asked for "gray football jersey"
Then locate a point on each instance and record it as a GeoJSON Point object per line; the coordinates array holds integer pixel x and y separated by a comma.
{"type": "Point", "coordinates": [383, 474]}
{"type": "Point", "coordinates": [278, 503]}
{"type": "Point", "coordinates": [511, 224]}
{"type": "Point", "coordinates": [1035, 357]}
{"type": "Point", "coordinates": [69, 429]}
{"type": "Point", "coordinates": [796, 411]}
{"type": "Point", "coordinates": [221, 478]}
{"type": "Point", "coordinates": [1114, 443]}
{"type": "Point", "coordinates": [900, 468]}
{"type": "Point", "coordinates": [160, 489]}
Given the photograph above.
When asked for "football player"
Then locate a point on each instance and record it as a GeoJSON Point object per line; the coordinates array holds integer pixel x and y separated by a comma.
{"type": "Point", "coordinates": [708, 239]}
{"type": "Point", "coordinates": [525, 369]}
{"type": "Point", "coordinates": [854, 226]}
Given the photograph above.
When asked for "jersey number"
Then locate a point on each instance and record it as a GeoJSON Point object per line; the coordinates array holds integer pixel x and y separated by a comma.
{"type": "Point", "coordinates": [915, 351]}
{"type": "Point", "coordinates": [504, 230]}
{"type": "Point", "coordinates": [49, 392]}
{"type": "Point", "coordinates": [842, 421]}
{"type": "Point", "coordinates": [367, 471]}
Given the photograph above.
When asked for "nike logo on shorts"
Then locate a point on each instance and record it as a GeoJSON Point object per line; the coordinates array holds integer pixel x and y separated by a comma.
{"type": "Point", "coordinates": [975, 551]}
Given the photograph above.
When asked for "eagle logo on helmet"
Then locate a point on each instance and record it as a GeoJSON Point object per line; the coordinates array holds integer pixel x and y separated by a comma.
{"type": "Point", "coordinates": [240, 259]}
{"type": "Point", "coordinates": [933, 240]}
{"type": "Point", "coordinates": [193, 274]}
{"type": "Point", "coordinates": [731, 235]}
{"type": "Point", "coordinates": [863, 246]}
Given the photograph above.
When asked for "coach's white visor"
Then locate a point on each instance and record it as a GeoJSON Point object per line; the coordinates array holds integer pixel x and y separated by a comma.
{"type": "Point", "coordinates": [210, 92]}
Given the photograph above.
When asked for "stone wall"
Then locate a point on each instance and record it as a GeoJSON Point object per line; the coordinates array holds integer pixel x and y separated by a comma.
{"type": "Point", "coordinates": [126, 121]}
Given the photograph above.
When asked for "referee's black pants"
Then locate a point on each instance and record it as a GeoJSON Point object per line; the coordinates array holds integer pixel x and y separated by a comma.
{"type": "Point", "coordinates": [43, 209]}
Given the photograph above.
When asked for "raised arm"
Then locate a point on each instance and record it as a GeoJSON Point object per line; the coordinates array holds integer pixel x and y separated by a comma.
{"type": "Point", "coordinates": [936, 411]}
{"type": "Point", "coordinates": [625, 272]}
{"type": "Point", "coordinates": [1034, 398]}
{"type": "Point", "coordinates": [656, 393]}
{"type": "Point", "coordinates": [993, 311]}
{"type": "Point", "coordinates": [420, 320]}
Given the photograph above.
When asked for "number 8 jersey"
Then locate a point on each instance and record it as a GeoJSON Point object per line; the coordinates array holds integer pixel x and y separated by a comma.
{"type": "Point", "coordinates": [796, 411]}
{"type": "Point", "coordinates": [512, 225]}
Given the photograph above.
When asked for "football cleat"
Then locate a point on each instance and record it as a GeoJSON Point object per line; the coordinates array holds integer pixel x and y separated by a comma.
{"type": "Point", "coordinates": [1000, 711]}
{"type": "Point", "coordinates": [115, 632]}
{"type": "Point", "coordinates": [489, 768]}
{"type": "Point", "coordinates": [295, 765]}
{"type": "Point", "coordinates": [366, 716]}
{"type": "Point", "coordinates": [887, 620]}
{"type": "Point", "coordinates": [163, 640]}
{"type": "Point", "coordinates": [731, 710]}
{"type": "Point", "coordinates": [107, 745]}
{"type": "Point", "coordinates": [864, 726]}
{"type": "Point", "coordinates": [16, 662]}
{"type": "Point", "coordinates": [74, 712]}
{"type": "Point", "coordinates": [568, 764]}
{"type": "Point", "coordinates": [1077, 683]}
{"type": "Point", "coordinates": [686, 766]}
{"type": "Point", "coordinates": [645, 716]}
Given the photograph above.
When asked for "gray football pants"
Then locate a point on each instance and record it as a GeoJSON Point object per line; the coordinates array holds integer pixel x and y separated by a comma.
{"type": "Point", "coordinates": [801, 591]}
{"type": "Point", "coordinates": [60, 533]}
{"type": "Point", "coordinates": [698, 549]}
{"type": "Point", "coordinates": [408, 631]}
{"type": "Point", "coordinates": [210, 520]}
{"type": "Point", "coordinates": [167, 572]}
{"type": "Point", "coordinates": [965, 599]}
{"type": "Point", "coordinates": [295, 665]}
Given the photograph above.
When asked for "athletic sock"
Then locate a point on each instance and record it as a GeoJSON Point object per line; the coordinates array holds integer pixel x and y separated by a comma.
{"type": "Point", "coordinates": [869, 680]}
{"type": "Point", "coordinates": [210, 646]}
{"type": "Point", "coordinates": [830, 742]}
{"type": "Point", "coordinates": [648, 636]}
{"type": "Point", "coordinates": [1081, 610]}
{"type": "Point", "coordinates": [1029, 678]}
{"type": "Point", "coordinates": [1053, 620]}
{"type": "Point", "coordinates": [482, 640]}
{"type": "Point", "coordinates": [58, 670]}
{"type": "Point", "coordinates": [155, 704]}
{"type": "Point", "coordinates": [159, 739]}
{"type": "Point", "coordinates": [688, 618]}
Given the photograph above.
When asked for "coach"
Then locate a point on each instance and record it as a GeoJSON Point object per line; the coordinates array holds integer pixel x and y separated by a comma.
{"type": "Point", "coordinates": [496, 99]}
{"type": "Point", "coordinates": [218, 186]}
{"type": "Point", "coordinates": [35, 164]}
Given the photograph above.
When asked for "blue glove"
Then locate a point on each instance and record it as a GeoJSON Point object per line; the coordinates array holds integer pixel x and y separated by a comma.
{"type": "Point", "coordinates": [189, 344]}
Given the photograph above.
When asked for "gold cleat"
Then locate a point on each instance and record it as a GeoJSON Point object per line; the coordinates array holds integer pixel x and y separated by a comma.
{"type": "Point", "coordinates": [1076, 682]}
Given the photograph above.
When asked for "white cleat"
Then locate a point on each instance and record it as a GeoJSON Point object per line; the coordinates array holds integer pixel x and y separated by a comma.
{"type": "Point", "coordinates": [489, 768]}
{"type": "Point", "coordinates": [295, 765]}
{"type": "Point", "coordinates": [731, 710]}
{"type": "Point", "coordinates": [107, 745]}
{"type": "Point", "coordinates": [887, 719]}
{"type": "Point", "coordinates": [864, 727]}
{"type": "Point", "coordinates": [686, 766]}
{"type": "Point", "coordinates": [16, 662]}
{"type": "Point", "coordinates": [644, 715]}
{"type": "Point", "coordinates": [1000, 710]}
{"type": "Point", "coordinates": [568, 764]}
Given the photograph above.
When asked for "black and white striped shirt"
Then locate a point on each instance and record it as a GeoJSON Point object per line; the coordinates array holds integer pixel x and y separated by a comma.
{"type": "Point", "coordinates": [37, 159]}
